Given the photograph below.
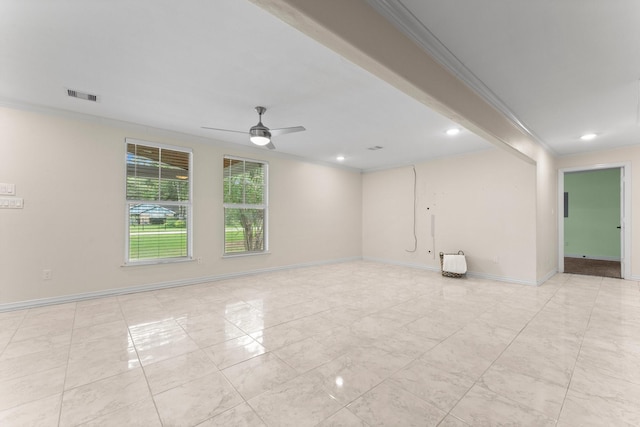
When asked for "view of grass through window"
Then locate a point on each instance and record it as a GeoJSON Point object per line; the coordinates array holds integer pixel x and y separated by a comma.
{"type": "Point", "coordinates": [244, 205]}
{"type": "Point", "coordinates": [160, 240]}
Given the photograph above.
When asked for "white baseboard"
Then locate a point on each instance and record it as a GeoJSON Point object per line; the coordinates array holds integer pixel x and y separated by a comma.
{"type": "Point", "coordinates": [21, 305]}
{"type": "Point", "coordinates": [469, 273]}
{"type": "Point", "coordinates": [401, 263]}
{"type": "Point", "coordinates": [501, 279]}
{"type": "Point", "coordinates": [548, 276]}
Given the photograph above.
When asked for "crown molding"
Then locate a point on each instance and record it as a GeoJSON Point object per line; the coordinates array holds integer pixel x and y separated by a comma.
{"type": "Point", "coordinates": [402, 18]}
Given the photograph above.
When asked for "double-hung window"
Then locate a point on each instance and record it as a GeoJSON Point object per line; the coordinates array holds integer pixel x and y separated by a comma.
{"type": "Point", "coordinates": [158, 199]}
{"type": "Point", "coordinates": [245, 206]}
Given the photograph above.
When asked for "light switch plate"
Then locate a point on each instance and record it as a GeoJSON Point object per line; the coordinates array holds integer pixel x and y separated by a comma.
{"type": "Point", "coordinates": [7, 189]}
{"type": "Point", "coordinates": [11, 202]}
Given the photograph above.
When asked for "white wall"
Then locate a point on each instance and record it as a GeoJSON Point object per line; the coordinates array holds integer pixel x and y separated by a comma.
{"type": "Point", "coordinates": [627, 154]}
{"type": "Point", "coordinates": [547, 217]}
{"type": "Point", "coordinates": [70, 172]}
{"type": "Point", "coordinates": [484, 204]}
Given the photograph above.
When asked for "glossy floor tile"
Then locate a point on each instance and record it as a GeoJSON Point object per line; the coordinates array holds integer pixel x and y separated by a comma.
{"type": "Point", "coordinates": [350, 344]}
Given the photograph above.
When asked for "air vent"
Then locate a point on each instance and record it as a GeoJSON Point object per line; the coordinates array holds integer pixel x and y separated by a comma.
{"type": "Point", "coordinates": [82, 95]}
{"type": "Point", "coordinates": [375, 147]}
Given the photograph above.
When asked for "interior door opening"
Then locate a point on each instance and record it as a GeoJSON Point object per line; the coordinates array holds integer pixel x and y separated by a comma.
{"type": "Point", "coordinates": [593, 237]}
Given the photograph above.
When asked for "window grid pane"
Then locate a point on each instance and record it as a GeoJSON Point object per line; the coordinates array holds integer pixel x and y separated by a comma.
{"type": "Point", "coordinates": [174, 175]}
{"type": "Point", "coordinates": [245, 230]}
{"type": "Point", "coordinates": [157, 231]}
{"type": "Point", "coordinates": [142, 172]}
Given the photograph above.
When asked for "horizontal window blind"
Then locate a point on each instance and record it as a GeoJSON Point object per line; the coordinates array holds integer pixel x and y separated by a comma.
{"type": "Point", "coordinates": [245, 205]}
{"type": "Point", "coordinates": [158, 192]}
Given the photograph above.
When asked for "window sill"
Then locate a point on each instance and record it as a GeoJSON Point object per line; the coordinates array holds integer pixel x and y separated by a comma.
{"type": "Point", "coordinates": [245, 254]}
{"type": "Point", "coordinates": [158, 262]}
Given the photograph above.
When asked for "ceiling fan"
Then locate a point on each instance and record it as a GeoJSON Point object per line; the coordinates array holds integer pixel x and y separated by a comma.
{"type": "Point", "coordinates": [260, 134]}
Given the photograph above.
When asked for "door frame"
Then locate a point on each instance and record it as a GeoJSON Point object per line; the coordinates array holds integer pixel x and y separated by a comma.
{"type": "Point", "coordinates": [625, 212]}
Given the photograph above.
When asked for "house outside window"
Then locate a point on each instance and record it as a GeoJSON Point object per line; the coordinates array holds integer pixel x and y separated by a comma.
{"type": "Point", "coordinates": [158, 202]}
{"type": "Point", "coordinates": [245, 206]}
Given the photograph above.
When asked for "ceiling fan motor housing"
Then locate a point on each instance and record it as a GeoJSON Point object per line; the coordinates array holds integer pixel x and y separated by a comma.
{"type": "Point", "coordinates": [260, 130]}
{"type": "Point", "coordinates": [260, 134]}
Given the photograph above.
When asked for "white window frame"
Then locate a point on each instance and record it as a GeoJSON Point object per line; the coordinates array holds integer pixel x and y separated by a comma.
{"type": "Point", "coordinates": [264, 205]}
{"type": "Point", "coordinates": [189, 205]}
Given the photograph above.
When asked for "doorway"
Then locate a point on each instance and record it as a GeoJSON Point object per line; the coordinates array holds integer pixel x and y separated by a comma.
{"type": "Point", "coordinates": [593, 235]}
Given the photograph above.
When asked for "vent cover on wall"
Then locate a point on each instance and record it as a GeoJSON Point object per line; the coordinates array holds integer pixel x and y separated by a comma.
{"type": "Point", "coordinates": [374, 148]}
{"type": "Point", "coordinates": [82, 95]}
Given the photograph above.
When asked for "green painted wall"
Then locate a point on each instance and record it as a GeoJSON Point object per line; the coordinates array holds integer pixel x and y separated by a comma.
{"type": "Point", "coordinates": [594, 213]}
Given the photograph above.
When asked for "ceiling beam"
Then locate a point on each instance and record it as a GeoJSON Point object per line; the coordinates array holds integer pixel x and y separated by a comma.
{"type": "Point", "coordinates": [357, 32]}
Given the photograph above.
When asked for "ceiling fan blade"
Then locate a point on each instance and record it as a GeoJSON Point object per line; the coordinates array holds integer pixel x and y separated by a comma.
{"type": "Point", "coordinates": [282, 131]}
{"type": "Point", "coordinates": [225, 130]}
{"type": "Point", "coordinates": [270, 146]}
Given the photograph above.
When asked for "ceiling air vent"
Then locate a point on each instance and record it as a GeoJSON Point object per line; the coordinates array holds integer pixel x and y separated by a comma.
{"type": "Point", "coordinates": [375, 147]}
{"type": "Point", "coordinates": [82, 95]}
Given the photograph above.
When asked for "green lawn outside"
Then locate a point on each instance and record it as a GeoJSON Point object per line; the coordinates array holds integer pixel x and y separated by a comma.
{"type": "Point", "coordinates": [158, 241]}
{"type": "Point", "coordinates": [158, 245]}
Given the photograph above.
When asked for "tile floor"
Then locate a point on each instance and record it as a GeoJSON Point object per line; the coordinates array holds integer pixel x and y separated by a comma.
{"type": "Point", "coordinates": [353, 344]}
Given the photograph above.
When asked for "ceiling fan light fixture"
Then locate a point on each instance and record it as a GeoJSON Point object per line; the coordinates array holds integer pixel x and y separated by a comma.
{"type": "Point", "coordinates": [260, 136]}
{"type": "Point", "coordinates": [260, 140]}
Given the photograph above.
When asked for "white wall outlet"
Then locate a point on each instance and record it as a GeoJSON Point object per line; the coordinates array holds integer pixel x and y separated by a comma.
{"type": "Point", "coordinates": [199, 259]}
{"type": "Point", "coordinates": [46, 274]}
{"type": "Point", "coordinates": [496, 259]}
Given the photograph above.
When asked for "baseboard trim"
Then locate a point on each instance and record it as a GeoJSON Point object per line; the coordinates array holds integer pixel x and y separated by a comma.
{"type": "Point", "coordinates": [469, 273]}
{"type": "Point", "coordinates": [21, 305]}
{"type": "Point", "coordinates": [501, 279]}
{"type": "Point", "coordinates": [547, 277]}
{"type": "Point", "coordinates": [400, 263]}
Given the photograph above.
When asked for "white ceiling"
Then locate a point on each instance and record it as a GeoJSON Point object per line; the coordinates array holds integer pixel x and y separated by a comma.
{"type": "Point", "coordinates": [563, 68]}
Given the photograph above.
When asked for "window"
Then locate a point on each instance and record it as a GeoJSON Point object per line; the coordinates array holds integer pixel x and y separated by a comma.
{"type": "Point", "coordinates": [245, 206]}
{"type": "Point", "coordinates": [158, 202]}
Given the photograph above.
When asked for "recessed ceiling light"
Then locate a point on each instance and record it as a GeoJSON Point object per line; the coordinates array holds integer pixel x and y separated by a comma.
{"type": "Point", "coordinates": [588, 136]}
{"type": "Point", "coordinates": [453, 131]}
{"type": "Point", "coordinates": [340, 158]}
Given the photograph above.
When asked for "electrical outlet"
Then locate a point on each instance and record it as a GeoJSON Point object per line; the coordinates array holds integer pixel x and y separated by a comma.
{"type": "Point", "coordinates": [199, 259]}
{"type": "Point", "coordinates": [496, 259]}
{"type": "Point", "coordinates": [46, 274]}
